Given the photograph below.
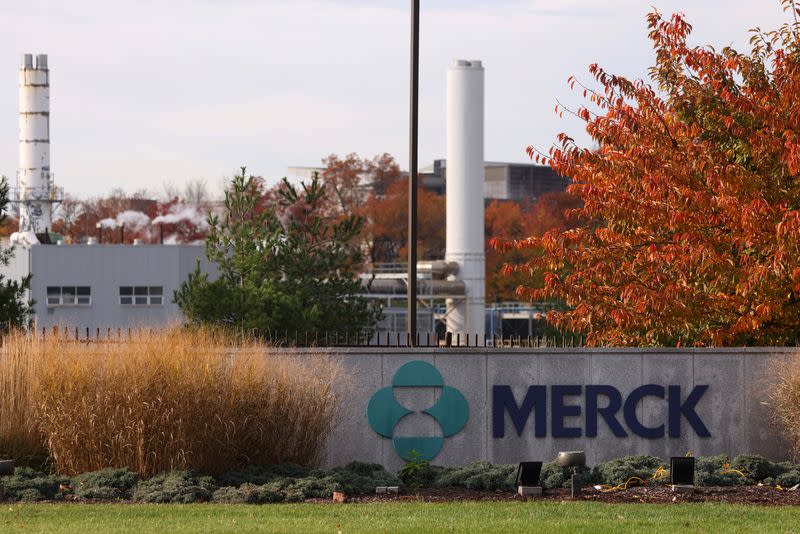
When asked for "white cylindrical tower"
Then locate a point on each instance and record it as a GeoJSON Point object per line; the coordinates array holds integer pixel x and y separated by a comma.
{"type": "Point", "coordinates": [465, 177]}
{"type": "Point", "coordinates": [35, 193]}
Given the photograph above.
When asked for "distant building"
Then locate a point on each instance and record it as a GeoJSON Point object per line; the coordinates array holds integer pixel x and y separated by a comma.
{"type": "Point", "coordinates": [503, 181]}
{"type": "Point", "coordinates": [106, 286]}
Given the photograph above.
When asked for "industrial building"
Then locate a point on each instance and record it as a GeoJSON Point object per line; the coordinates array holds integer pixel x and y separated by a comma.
{"type": "Point", "coordinates": [99, 286]}
{"type": "Point", "coordinates": [105, 286]}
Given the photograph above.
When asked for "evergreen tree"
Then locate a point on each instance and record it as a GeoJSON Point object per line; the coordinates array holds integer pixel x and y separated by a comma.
{"type": "Point", "coordinates": [16, 309]}
{"type": "Point", "coordinates": [285, 269]}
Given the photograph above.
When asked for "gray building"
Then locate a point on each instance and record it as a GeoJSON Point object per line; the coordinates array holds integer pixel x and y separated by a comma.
{"type": "Point", "coordinates": [502, 180]}
{"type": "Point", "coordinates": [106, 286]}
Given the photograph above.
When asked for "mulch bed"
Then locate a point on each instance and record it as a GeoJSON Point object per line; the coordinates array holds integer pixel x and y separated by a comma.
{"type": "Point", "coordinates": [763, 495]}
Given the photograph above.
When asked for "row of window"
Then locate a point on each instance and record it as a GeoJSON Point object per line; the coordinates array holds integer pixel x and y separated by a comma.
{"type": "Point", "coordinates": [82, 295]}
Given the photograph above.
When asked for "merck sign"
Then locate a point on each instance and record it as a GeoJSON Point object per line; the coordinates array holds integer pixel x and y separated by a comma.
{"type": "Point", "coordinates": [604, 403]}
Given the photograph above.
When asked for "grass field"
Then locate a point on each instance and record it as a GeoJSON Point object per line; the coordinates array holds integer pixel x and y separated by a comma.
{"type": "Point", "coordinates": [400, 517]}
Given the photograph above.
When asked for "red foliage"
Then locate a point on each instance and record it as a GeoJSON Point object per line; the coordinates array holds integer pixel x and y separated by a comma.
{"type": "Point", "coordinates": [693, 198]}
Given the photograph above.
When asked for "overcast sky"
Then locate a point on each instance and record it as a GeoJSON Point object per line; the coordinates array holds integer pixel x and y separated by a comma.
{"type": "Point", "coordinates": [147, 91]}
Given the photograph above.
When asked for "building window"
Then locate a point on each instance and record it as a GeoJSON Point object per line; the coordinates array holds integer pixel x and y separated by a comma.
{"type": "Point", "coordinates": [69, 296]}
{"type": "Point", "coordinates": [141, 295]}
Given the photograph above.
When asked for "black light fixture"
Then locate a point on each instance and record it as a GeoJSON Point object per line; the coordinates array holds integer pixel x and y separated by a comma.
{"type": "Point", "coordinates": [528, 475]}
{"type": "Point", "coordinates": [573, 459]}
{"type": "Point", "coordinates": [681, 470]}
{"type": "Point", "coordinates": [6, 470]}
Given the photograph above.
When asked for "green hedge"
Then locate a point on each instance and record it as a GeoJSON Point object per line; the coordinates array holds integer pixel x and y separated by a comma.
{"type": "Point", "coordinates": [292, 483]}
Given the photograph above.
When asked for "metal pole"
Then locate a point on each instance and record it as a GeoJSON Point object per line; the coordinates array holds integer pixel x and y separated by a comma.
{"type": "Point", "coordinates": [412, 174]}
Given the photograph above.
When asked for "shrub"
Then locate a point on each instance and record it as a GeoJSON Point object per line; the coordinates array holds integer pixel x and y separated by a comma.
{"type": "Point", "coordinates": [249, 494]}
{"type": "Point", "coordinates": [27, 484]}
{"type": "Point", "coordinates": [261, 474]}
{"type": "Point", "coordinates": [757, 468]}
{"type": "Point", "coordinates": [555, 476]}
{"type": "Point", "coordinates": [172, 399]}
{"type": "Point", "coordinates": [480, 476]}
{"type": "Point", "coordinates": [357, 478]}
{"type": "Point", "coordinates": [785, 402]}
{"type": "Point", "coordinates": [708, 471]}
{"type": "Point", "coordinates": [19, 434]}
{"type": "Point", "coordinates": [106, 484]}
{"type": "Point", "coordinates": [617, 471]}
{"type": "Point", "coordinates": [174, 487]}
{"type": "Point", "coordinates": [418, 473]}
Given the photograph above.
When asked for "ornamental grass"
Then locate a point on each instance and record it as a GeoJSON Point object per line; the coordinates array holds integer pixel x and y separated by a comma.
{"type": "Point", "coordinates": [196, 399]}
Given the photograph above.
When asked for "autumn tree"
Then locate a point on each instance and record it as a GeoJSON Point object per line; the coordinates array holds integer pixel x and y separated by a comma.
{"type": "Point", "coordinates": [532, 218]}
{"type": "Point", "coordinates": [693, 198]}
{"type": "Point", "coordinates": [386, 232]}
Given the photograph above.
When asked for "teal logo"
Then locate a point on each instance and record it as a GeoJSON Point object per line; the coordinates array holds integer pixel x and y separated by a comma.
{"type": "Point", "coordinates": [451, 411]}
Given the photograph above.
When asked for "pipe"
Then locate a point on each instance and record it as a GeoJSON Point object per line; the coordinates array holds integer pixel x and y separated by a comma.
{"type": "Point", "coordinates": [161, 230]}
{"type": "Point", "coordinates": [122, 234]}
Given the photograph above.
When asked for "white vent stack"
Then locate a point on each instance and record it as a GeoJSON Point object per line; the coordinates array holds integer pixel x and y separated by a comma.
{"type": "Point", "coordinates": [465, 177]}
{"type": "Point", "coordinates": [35, 193]}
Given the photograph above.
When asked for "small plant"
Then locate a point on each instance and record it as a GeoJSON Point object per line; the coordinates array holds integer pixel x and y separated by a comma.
{"type": "Point", "coordinates": [417, 472]}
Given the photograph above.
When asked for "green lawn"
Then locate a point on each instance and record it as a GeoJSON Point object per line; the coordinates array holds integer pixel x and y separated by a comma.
{"type": "Point", "coordinates": [403, 517]}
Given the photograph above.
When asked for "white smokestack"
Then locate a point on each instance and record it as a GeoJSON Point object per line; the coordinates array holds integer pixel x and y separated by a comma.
{"type": "Point", "coordinates": [34, 185]}
{"type": "Point", "coordinates": [465, 177]}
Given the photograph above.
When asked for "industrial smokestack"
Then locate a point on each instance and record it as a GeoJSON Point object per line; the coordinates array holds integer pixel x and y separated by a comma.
{"type": "Point", "coordinates": [465, 177]}
{"type": "Point", "coordinates": [35, 192]}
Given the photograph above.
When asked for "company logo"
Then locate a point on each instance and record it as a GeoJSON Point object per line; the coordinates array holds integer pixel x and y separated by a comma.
{"type": "Point", "coordinates": [451, 411]}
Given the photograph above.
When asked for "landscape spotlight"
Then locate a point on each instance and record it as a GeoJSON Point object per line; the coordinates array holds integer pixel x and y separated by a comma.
{"type": "Point", "coordinates": [681, 470]}
{"type": "Point", "coordinates": [528, 474]}
{"type": "Point", "coordinates": [573, 459]}
{"type": "Point", "coordinates": [6, 470]}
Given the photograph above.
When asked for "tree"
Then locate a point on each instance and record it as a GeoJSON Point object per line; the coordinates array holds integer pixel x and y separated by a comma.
{"type": "Point", "coordinates": [692, 199]}
{"type": "Point", "coordinates": [507, 218]}
{"type": "Point", "coordinates": [386, 232]}
{"type": "Point", "coordinates": [286, 270]}
{"type": "Point", "coordinates": [16, 309]}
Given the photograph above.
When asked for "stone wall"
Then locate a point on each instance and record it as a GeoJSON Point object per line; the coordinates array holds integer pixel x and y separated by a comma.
{"type": "Point", "coordinates": [733, 408]}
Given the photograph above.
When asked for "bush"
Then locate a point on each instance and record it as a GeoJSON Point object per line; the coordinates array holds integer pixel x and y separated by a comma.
{"type": "Point", "coordinates": [785, 402]}
{"type": "Point", "coordinates": [261, 474]}
{"type": "Point", "coordinates": [249, 494]}
{"type": "Point", "coordinates": [294, 483]}
{"type": "Point", "coordinates": [418, 473]}
{"type": "Point", "coordinates": [757, 468]}
{"type": "Point", "coordinates": [174, 487]}
{"type": "Point", "coordinates": [555, 476]}
{"type": "Point", "coordinates": [27, 484]}
{"type": "Point", "coordinates": [617, 471]}
{"type": "Point", "coordinates": [147, 403]}
{"type": "Point", "coordinates": [480, 476]}
{"type": "Point", "coordinates": [708, 471]}
{"type": "Point", "coordinates": [106, 484]}
{"type": "Point", "coordinates": [359, 478]}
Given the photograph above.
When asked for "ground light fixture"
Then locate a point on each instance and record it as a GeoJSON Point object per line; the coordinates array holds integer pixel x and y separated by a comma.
{"type": "Point", "coordinates": [6, 470]}
{"type": "Point", "coordinates": [528, 474]}
{"type": "Point", "coordinates": [681, 470]}
{"type": "Point", "coordinates": [573, 459]}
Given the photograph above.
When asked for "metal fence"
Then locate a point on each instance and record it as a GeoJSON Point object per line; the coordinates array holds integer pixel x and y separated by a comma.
{"type": "Point", "coordinates": [330, 339]}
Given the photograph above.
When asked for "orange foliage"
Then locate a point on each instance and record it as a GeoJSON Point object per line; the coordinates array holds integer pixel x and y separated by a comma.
{"type": "Point", "coordinates": [693, 195]}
